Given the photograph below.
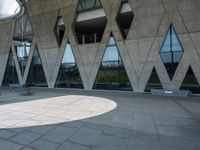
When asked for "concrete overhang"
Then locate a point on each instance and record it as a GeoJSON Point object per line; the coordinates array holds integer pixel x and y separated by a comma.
{"type": "Point", "coordinates": [99, 13]}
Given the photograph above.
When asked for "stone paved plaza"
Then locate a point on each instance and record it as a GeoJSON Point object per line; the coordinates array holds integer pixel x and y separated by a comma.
{"type": "Point", "coordinates": [81, 120]}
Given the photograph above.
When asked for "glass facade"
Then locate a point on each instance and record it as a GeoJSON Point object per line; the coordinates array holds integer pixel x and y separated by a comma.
{"type": "Point", "coordinates": [68, 76]}
{"type": "Point", "coordinates": [154, 82]}
{"type": "Point", "coordinates": [112, 74]}
{"type": "Point", "coordinates": [36, 76]}
{"type": "Point", "coordinates": [22, 40]}
{"type": "Point", "coordinates": [190, 82]}
{"type": "Point", "coordinates": [171, 52]}
{"type": "Point", "coordinates": [87, 5]}
{"type": "Point", "coordinates": [10, 76]}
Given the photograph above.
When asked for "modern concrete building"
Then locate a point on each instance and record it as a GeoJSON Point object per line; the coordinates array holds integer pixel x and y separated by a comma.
{"type": "Point", "coordinates": [99, 46]}
{"type": "Point", "coordinates": [132, 45]}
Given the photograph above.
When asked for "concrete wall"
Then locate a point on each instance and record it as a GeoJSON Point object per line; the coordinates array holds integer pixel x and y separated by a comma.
{"type": "Point", "coordinates": [140, 52]}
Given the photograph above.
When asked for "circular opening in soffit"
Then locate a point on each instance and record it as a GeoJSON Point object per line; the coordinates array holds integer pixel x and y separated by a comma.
{"type": "Point", "coordinates": [10, 9]}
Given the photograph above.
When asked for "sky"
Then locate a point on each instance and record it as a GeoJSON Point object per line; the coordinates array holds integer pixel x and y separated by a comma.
{"type": "Point", "coordinates": [8, 7]}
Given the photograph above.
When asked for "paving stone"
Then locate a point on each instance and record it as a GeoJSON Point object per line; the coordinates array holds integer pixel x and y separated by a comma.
{"type": "Point", "coordinates": [97, 121]}
{"type": "Point", "coordinates": [60, 134]}
{"type": "Point", "coordinates": [42, 129]}
{"type": "Point", "coordinates": [122, 119]}
{"type": "Point", "coordinates": [6, 134]}
{"type": "Point", "coordinates": [119, 132]}
{"type": "Point", "coordinates": [6, 145]}
{"type": "Point", "coordinates": [18, 130]}
{"type": "Point", "coordinates": [27, 148]}
{"type": "Point", "coordinates": [74, 124]}
{"type": "Point", "coordinates": [144, 138]}
{"type": "Point", "coordinates": [179, 143]}
{"type": "Point", "coordinates": [109, 148]}
{"type": "Point", "coordinates": [109, 140]}
{"type": "Point", "coordinates": [25, 138]}
{"type": "Point", "coordinates": [191, 131]}
{"type": "Point", "coordinates": [94, 126]}
{"type": "Point", "coordinates": [100, 121]}
{"type": "Point", "coordinates": [43, 145]}
{"type": "Point", "coordinates": [168, 147]}
{"type": "Point", "coordinates": [86, 136]}
{"type": "Point", "coordinates": [73, 146]}
{"type": "Point", "coordinates": [144, 126]}
{"type": "Point", "coordinates": [172, 131]}
{"type": "Point", "coordinates": [144, 147]}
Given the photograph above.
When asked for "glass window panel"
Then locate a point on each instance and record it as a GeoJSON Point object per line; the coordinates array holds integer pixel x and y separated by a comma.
{"type": "Point", "coordinates": [36, 58]}
{"type": "Point", "coordinates": [36, 76]}
{"type": "Point", "coordinates": [22, 48]}
{"type": "Point", "coordinates": [28, 28]}
{"type": "Point", "coordinates": [166, 57]}
{"type": "Point", "coordinates": [79, 7]}
{"type": "Point", "coordinates": [97, 3]}
{"type": "Point", "coordinates": [190, 82]}
{"type": "Point", "coordinates": [23, 40]}
{"type": "Point", "coordinates": [68, 55]}
{"type": "Point", "coordinates": [22, 22]}
{"type": "Point", "coordinates": [176, 47]}
{"type": "Point", "coordinates": [166, 45]}
{"type": "Point", "coordinates": [111, 41]}
{"type": "Point", "coordinates": [17, 29]}
{"type": "Point", "coordinates": [112, 74]}
{"type": "Point", "coordinates": [111, 54]}
{"type": "Point", "coordinates": [88, 3]}
{"type": "Point", "coordinates": [22, 52]}
{"type": "Point", "coordinates": [171, 55]}
{"type": "Point", "coordinates": [175, 42]}
{"type": "Point", "coordinates": [102, 81]}
{"type": "Point", "coordinates": [23, 29]}
{"type": "Point", "coordinates": [69, 76]}
{"type": "Point", "coordinates": [10, 76]}
{"type": "Point", "coordinates": [154, 82]}
{"type": "Point", "coordinates": [177, 57]}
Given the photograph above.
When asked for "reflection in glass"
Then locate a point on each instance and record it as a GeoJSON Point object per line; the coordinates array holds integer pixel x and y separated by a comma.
{"type": "Point", "coordinates": [22, 51]}
{"type": "Point", "coordinates": [36, 76]}
{"type": "Point", "coordinates": [10, 76]}
{"type": "Point", "coordinates": [87, 5]}
{"type": "Point", "coordinates": [154, 82]}
{"type": "Point", "coordinates": [68, 76]}
{"type": "Point", "coordinates": [190, 82]}
{"type": "Point", "coordinates": [112, 74]}
{"type": "Point", "coordinates": [22, 40]}
{"type": "Point", "coordinates": [171, 51]}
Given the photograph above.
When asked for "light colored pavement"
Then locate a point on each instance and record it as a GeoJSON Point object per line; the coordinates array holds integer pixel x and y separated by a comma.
{"type": "Point", "coordinates": [53, 119]}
